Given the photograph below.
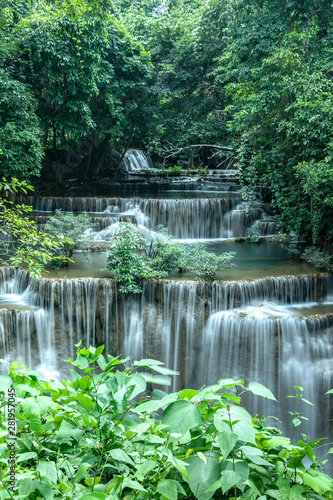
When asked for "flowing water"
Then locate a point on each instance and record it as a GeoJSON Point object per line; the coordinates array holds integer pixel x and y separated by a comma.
{"type": "Point", "coordinates": [269, 320]}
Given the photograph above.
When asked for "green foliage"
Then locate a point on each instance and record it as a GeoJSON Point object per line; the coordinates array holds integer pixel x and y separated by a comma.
{"type": "Point", "coordinates": [277, 72]}
{"type": "Point", "coordinates": [174, 171]}
{"type": "Point", "coordinates": [319, 258]}
{"type": "Point", "coordinates": [86, 74]}
{"type": "Point", "coordinates": [20, 135]}
{"type": "Point", "coordinates": [27, 245]}
{"type": "Point", "coordinates": [136, 253]}
{"type": "Point", "coordinates": [205, 264]}
{"type": "Point", "coordinates": [70, 227]}
{"type": "Point", "coordinates": [101, 436]}
{"type": "Point", "coordinates": [254, 234]}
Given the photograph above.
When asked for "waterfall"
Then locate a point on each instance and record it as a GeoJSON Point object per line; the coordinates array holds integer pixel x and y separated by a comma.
{"type": "Point", "coordinates": [136, 160]}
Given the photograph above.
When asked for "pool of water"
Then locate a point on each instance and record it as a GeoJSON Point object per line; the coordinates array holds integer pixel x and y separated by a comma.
{"type": "Point", "coordinates": [252, 261]}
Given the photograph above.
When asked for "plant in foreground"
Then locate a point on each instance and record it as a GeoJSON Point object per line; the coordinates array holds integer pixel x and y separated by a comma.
{"type": "Point", "coordinates": [103, 436]}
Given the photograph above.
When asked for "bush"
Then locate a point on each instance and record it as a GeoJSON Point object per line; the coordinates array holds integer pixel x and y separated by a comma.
{"type": "Point", "coordinates": [136, 253]}
{"type": "Point", "coordinates": [100, 436]}
{"type": "Point", "coordinates": [318, 258]}
{"type": "Point", "coordinates": [205, 264]}
{"type": "Point", "coordinates": [69, 226]}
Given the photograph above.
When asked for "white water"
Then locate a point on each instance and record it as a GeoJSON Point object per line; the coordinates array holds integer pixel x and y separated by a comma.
{"type": "Point", "coordinates": [136, 160]}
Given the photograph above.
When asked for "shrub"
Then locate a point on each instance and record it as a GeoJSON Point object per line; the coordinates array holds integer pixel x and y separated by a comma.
{"type": "Point", "coordinates": [71, 227]}
{"type": "Point", "coordinates": [136, 253]}
{"type": "Point", "coordinates": [318, 258]}
{"type": "Point", "coordinates": [205, 264]}
{"type": "Point", "coordinates": [100, 436]}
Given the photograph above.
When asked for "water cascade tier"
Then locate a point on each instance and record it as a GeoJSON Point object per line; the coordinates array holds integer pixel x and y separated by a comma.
{"type": "Point", "coordinates": [265, 330]}
{"type": "Point", "coordinates": [199, 218]}
{"type": "Point", "coordinates": [276, 330]}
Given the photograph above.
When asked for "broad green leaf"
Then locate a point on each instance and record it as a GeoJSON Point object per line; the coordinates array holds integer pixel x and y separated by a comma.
{"type": "Point", "coordinates": [168, 488]}
{"type": "Point", "coordinates": [254, 455]}
{"type": "Point", "coordinates": [120, 456]}
{"type": "Point", "coordinates": [187, 394]}
{"type": "Point", "coordinates": [93, 495]}
{"type": "Point", "coordinates": [226, 441]}
{"type": "Point", "coordinates": [318, 481]}
{"type": "Point", "coordinates": [84, 383]}
{"type": "Point", "coordinates": [84, 401]}
{"type": "Point", "coordinates": [48, 469]}
{"type": "Point", "coordinates": [5, 382]}
{"type": "Point", "coordinates": [156, 379]}
{"type": "Point", "coordinates": [148, 363]}
{"type": "Point", "coordinates": [45, 488]}
{"type": "Point", "coordinates": [34, 422]}
{"type": "Point", "coordinates": [133, 485]}
{"type": "Point", "coordinates": [25, 486]}
{"type": "Point", "coordinates": [144, 468]}
{"type": "Point", "coordinates": [260, 390]}
{"type": "Point", "coordinates": [181, 416]}
{"type": "Point", "coordinates": [276, 441]}
{"type": "Point", "coordinates": [155, 404]}
{"type": "Point", "coordinates": [245, 431]}
{"type": "Point", "coordinates": [26, 456]}
{"type": "Point", "coordinates": [82, 471]}
{"type": "Point", "coordinates": [29, 405]}
{"type": "Point", "coordinates": [202, 476]}
{"type": "Point", "coordinates": [234, 473]}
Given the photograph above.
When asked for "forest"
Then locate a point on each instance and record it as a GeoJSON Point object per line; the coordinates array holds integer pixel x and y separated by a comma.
{"type": "Point", "coordinates": [246, 82]}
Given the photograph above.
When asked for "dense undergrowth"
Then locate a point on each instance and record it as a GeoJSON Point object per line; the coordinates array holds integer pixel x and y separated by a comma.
{"type": "Point", "coordinates": [105, 435]}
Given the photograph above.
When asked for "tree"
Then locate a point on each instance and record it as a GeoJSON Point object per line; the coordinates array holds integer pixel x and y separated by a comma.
{"type": "Point", "coordinates": [86, 74]}
{"type": "Point", "coordinates": [20, 136]}
{"type": "Point", "coordinates": [279, 68]}
{"type": "Point", "coordinates": [24, 245]}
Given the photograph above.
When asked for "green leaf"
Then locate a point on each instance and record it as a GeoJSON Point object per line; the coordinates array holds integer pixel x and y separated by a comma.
{"type": "Point", "coordinates": [45, 488]}
{"type": "Point", "coordinates": [260, 390]}
{"type": "Point", "coordinates": [82, 471]}
{"type": "Point", "coordinates": [202, 476]}
{"type": "Point", "coordinates": [226, 441]}
{"type": "Point", "coordinates": [120, 456]}
{"type": "Point", "coordinates": [93, 495]}
{"type": "Point", "coordinates": [22, 457]}
{"type": "Point", "coordinates": [144, 468]}
{"type": "Point", "coordinates": [318, 481]}
{"type": "Point", "coordinates": [34, 422]}
{"type": "Point", "coordinates": [234, 473]}
{"type": "Point", "coordinates": [254, 455]}
{"type": "Point", "coordinates": [187, 394]}
{"type": "Point", "coordinates": [156, 404]}
{"type": "Point", "coordinates": [25, 486]}
{"type": "Point", "coordinates": [84, 401]}
{"type": "Point", "coordinates": [48, 469]}
{"type": "Point", "coordinates": [181, 416]}
{"type": "Point", "coordinates": [156, 379]}
{"type": "Point", "coordinates": [134, 485]}
{"type": "Point", "coordinates": [168, 488]}
{"type": "Point", "coordinates": [5, 382]}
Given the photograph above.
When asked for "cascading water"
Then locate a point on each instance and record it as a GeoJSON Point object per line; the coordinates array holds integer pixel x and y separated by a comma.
{"type": "Point", "coordinates": [201, 218]}
{"type": "Point", "coordinates": [273, 330]}
{"type": "Point", "coordinates": [136, 160]}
